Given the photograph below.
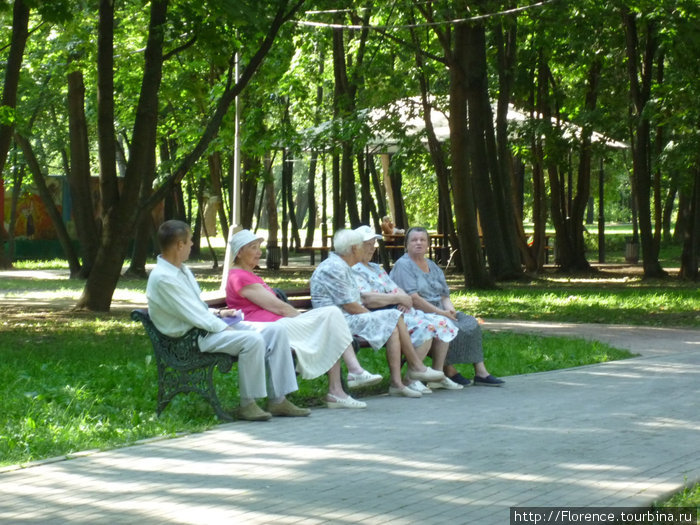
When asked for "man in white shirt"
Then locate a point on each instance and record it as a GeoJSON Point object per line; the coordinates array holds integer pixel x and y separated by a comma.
{"type": "Point", "coordinates": [175, 306]}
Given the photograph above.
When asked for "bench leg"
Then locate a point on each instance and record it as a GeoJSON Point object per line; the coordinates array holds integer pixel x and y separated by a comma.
{"type": "Point", "coordinates": [201, 381]}
{"type": "Point", "coordinates": [213, 398]}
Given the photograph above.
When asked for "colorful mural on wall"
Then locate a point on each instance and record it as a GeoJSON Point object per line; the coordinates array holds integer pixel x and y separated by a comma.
{"type": "Point", "coordinates": [32, 220]}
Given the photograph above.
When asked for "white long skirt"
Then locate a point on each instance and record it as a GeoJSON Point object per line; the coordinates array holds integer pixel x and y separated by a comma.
{"type": "Point", "coordinates": [318, 337]}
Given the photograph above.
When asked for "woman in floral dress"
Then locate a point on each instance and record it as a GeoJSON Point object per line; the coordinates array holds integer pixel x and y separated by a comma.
{"type": "Point", "coordinates": [333, 283]}
{"type": "Point", "coordinates": [379, 291]}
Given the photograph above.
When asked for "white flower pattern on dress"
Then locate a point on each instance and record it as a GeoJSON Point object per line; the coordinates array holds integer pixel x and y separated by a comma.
{"type": "Point", "coordinates": [333, 283]}
{"type": "Point", "coordinates": [421, 325]}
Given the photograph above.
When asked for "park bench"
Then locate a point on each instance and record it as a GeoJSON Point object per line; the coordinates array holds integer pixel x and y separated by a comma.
{"type": "Point", "coordinates": [311, 250]}
{"type": "Point", "coordinates": [182, 367]}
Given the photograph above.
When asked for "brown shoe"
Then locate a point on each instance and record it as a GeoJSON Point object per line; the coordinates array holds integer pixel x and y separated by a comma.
{"type": "Point", "coordinates": [252, 412]}
{"type": "Point", "coordinates": [288, 409]}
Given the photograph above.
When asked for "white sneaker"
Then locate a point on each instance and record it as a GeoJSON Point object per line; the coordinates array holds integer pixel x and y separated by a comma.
{"type": "Point", "coordinates": [343, 402]}
{"type": "Point", "coordinates": [419, 387]}
{"type": "Point", "coordinates": [403, 392]}
{"type": "Point", "coordinates": [363, 379]}
{"type": "Point", "coordinates": [427, 375]}
{"type": "Point", "coordinates": [446, 384]}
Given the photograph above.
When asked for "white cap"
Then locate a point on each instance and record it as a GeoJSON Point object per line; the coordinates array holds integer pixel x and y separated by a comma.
{"type": "Point", "coordinates": [240, 239]}
{"type": "Point", "coordinates": [367, 233]}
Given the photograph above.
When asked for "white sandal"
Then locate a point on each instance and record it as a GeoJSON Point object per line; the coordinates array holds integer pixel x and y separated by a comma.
{"type": "Point", "coordinates": [343, 402]}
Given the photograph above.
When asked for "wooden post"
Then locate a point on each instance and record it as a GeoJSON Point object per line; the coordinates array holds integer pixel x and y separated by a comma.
{"type": "Point", "coordinates": [386, 160]}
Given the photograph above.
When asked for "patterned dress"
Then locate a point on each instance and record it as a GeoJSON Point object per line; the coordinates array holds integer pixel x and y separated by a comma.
{"type": "Point", "coordinates": [333, 283]}
{"type": "Point", "coordinates": [421, 325]}
{"type": "Point", "coordinates": [432, 286]}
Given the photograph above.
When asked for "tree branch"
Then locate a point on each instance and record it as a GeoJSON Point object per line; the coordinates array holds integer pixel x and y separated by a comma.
{"type": "Point", "coordinates": [222, 107]}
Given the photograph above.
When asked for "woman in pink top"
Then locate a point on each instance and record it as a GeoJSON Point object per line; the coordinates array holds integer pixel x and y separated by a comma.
{"type": "Point", "coordinates": [318, 337]}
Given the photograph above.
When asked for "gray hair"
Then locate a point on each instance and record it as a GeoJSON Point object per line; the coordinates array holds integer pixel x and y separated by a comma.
{"type": "Point", "coordinates": [344, 240]}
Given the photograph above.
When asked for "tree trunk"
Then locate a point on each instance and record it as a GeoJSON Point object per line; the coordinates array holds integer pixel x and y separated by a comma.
{"type": "Point", "coordinates": [506, 48]}
{"type": "Point", "coordinates": [437, 156]}
{"type": "Point", "coordinates": [20, 33]}
{"type": "Point", "coordinates": [290, 200]}
{"type": "Point", "coordinates": [311, 193]}
{"type": "Point", "coordinates": [79, 173]}
{"type": "Point", "coordinates": [120, 220]}
{"type": "Point", "coordinates": [50, 205]}
{"type": "Point", "coordinates": [145, 227]}
{"type": "Point", "coordinates": [395, 174]}
{"type": "Point", "coordinates": [683, 215]}
{"type": "Point", "coordinates": [216, 175]}
{"type": "Point", "coordinates": [311, 188]}
{"type": "Point", "coordinates": [121, 213]}
{"type": "Point", "coordinates": [369, 210]}
{"type": "Point", "coordinates": [583, 188]}
{"type": "Point", "coordinates": [106, 136]}
{"type": "Point", "coordinates": [668, 208]}
{"type": "Point", "coordinates": [475, 272]}
{"type": "Point", "coordinates": [271, 206]}
{"type": "Point", "coordinates": [691, 235]}
{"type": "Point", "coordinates": [345, 90]}
{"type": "Point", "coordinates": [377, 186]}
{"type": "Point", "coordinates": [17, 178]}
{"type": "Point", "coordinates": [249, 185]}
{"type": "Point", "coordinates": [338, 208]}
{"type": "Point", "coordinates": [658, 210]}
{"type": "Point", "coordinates": [484, 166]}
{"type": "Point", "coordinates": [546, 160]}
{"type": "Point", "coordinates": [517, 202]}
{"type": "Point", "coordinates": [539, 204]}
{"type": "Point", "coordinates": [640, 94]}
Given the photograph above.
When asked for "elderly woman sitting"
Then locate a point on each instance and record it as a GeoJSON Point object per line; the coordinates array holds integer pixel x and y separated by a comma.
{"type": "Point", "coordinates": [333, 283]}
{"type": "Point", "coordinates": [379, 291]}
{"type": "Point", "coordinates": [425, 282]}
{"type": "Point", "coordinates": [318, 337]}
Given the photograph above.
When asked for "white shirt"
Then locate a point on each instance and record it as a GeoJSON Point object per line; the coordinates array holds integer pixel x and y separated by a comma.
{"type": "Point", "coordinates": [174, 301]}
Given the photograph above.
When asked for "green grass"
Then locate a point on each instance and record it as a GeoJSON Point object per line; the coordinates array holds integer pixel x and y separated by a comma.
{"type": "Point", "coordinates": [688, 497]}
{"type": "Point", "coordinates": [76, 385]}
{"type": "Point", "coordinates": [656, 306]}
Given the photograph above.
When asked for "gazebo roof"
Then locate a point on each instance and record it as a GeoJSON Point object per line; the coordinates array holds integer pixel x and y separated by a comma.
{"type": "Point", "coordinates": [409, 112]}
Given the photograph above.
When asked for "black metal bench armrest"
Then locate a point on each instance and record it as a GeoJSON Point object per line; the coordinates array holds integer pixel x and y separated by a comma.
{"type": "Point", "coordinates": [182, 366]}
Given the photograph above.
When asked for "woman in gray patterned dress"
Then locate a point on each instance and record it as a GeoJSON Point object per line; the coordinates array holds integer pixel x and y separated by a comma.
{"type": "Point", "coordinates": [425, 282]}
{"type": "Point", "coordinates": [379, 291]}
{"type": "Point", "coordinates": [333, 283]}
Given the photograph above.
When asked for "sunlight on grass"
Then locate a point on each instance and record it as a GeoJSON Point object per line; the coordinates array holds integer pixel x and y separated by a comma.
{"type": "Point", "coordinates": [675, 307]}
{"type": "Point", "coordinates": [688, 497]}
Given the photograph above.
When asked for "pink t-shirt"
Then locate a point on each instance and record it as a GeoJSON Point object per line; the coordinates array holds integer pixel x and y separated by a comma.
{"type": "Point", "coordinates": [237, 279]}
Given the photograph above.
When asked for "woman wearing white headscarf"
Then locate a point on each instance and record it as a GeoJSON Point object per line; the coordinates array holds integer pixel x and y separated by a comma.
{"type": "Point", "coordinates": [333, 284]}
